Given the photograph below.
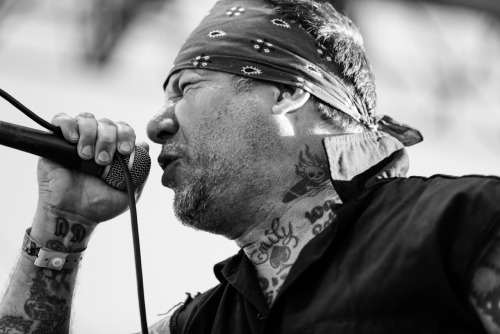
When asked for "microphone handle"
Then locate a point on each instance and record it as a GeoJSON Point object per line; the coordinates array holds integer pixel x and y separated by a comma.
{"type": "Point", "coordinates": [47, 145]}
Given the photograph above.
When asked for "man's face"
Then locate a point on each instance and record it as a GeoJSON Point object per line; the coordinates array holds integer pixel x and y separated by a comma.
{"type": "Point", "coordinates": [220, 150]}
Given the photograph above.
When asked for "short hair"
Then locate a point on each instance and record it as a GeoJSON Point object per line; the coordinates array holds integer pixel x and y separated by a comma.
{"type": "Point", "coordinates": [338, 34]}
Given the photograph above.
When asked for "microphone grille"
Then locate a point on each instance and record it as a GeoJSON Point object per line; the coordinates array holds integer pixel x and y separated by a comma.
{"type": "Point", "coordinates": [139, 164]}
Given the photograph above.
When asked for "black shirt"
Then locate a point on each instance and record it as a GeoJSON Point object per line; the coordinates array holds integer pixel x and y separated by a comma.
{"type": "Point", "coordinates": [399, 258]}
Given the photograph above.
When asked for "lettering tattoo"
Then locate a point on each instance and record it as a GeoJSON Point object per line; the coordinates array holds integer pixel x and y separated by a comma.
{"type": "Point", "coordinates": [314, 174]}
{"type": "Point", "coordinates": [79, 233]}
{"type": "Point", "coordinates": [485, 291]}
{"type": "Point", "coordinates": [329, 207]}
{"type": "Point", "coordinates": [62, 229]}
{"type": "Point", "coordinates": [276, 247]}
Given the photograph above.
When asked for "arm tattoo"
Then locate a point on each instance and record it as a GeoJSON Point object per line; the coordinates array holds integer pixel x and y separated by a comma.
{"type": "Point", "coordinates": [13, 324]}
{"type": "Point", "coordinates": [78, 233]}
{"type": "Point", "coordinates": [57, 246]}
{"type": "Point", "coordinates": [45, 312]}
{"type": "Point", "coordinates": [62, 227]}
{"type": "Point", "coordinates": [50, 312]}
{"type": "Point", "coordinates": [48, 292]}
{"type": "Point", "coordinates": [485, 292]}
{"type": "Point", "coordinates": [314, 174]}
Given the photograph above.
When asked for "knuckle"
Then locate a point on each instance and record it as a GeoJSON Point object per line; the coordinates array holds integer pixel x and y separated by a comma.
{"type": "Point", "coordinates": [125, 130]}
{"type": "Point", "coordinates": [85, 115]}
{"type": "Point", "coordinates": [107, 122]}
{"type": "Point", "coordinates": [123, 124]}
{"type": "Point", "coordinates": [61, 118]}
{"type": "Point", "coordinates": [106, 141]}
{"type": "Point", "coordinates": [60, 115]}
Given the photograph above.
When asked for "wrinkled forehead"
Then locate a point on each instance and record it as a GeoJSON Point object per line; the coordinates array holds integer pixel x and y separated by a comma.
{"type": "Point", "coordinates": [248, 38]}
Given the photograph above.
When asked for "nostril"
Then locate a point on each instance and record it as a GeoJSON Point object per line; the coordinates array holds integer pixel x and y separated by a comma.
{"type": "Point", "coordinates": [163, 135]}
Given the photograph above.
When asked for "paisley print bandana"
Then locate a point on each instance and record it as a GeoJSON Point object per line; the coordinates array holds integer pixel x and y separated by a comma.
{"type": "Point", "coordinates": [247, 38]}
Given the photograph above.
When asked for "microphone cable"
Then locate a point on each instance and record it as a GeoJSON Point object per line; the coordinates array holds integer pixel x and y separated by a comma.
{"type": "Point", "coordinates": [131, 201]}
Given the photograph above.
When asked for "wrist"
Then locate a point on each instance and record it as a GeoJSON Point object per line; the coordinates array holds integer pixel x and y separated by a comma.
{"type": "Point", "coordinates": [47, 258]}
{"type": "Point", "coordinates": [61, 231]}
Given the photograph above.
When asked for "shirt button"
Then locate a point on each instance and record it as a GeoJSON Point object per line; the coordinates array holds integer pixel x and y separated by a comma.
{"type": "Point", "coordinates": [260, 316]}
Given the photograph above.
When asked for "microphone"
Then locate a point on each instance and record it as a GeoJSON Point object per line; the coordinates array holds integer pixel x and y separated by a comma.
{"type": "Point", "coordinates": [49, 146]}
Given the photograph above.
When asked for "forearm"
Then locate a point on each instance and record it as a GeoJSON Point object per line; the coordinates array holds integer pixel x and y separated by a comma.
{"type": "Point", "coordinates": [38, 300]}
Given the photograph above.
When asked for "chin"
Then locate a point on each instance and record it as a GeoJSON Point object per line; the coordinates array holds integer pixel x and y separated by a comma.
{"type": "Point", "coordinates": [195, 210]}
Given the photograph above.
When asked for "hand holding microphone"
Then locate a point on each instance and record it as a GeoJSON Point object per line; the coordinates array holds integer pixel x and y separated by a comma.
{"type": "Point", "coordinates": [72, 200]}
{"type": "Point", "coordinates": [97, 141]}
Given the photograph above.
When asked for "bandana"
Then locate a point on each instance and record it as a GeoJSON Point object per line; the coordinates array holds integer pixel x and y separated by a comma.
{"type": "Point", "coordinates": [247, 38]}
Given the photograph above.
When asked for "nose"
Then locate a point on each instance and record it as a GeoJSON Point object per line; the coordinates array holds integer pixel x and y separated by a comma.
{"type": "Point", "coordinates": [163, 125]}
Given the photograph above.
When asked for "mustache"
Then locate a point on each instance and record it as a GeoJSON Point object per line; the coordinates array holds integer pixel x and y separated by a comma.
{"type": "Point", "coordinates": [176, 147]}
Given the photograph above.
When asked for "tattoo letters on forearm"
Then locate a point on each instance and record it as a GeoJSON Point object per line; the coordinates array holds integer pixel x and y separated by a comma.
{"type": "Point", "coordinates": [47, 307]}
{"type": "Point", "coordinates": [62, 228]}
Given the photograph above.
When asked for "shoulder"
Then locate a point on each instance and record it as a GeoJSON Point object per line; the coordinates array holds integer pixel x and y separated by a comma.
{"type": "Point", "coordinates": [440, 192]}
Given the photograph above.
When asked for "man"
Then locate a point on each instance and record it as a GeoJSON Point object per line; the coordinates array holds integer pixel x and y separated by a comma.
{"type": "Point", "coordinates": [269, 138]}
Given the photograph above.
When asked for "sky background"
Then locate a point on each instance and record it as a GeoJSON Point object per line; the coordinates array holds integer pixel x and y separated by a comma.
{"type": "Point", "coordinates": [437, 68]}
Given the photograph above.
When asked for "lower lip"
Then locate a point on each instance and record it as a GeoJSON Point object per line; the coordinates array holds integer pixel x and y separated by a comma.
{"type": "Point", "coordinates": [169, 174]}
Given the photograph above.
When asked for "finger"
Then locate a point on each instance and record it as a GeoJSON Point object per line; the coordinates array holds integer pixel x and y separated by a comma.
{"type": "Point", "coordinates": [106, 141]}
{"type": "Point", "coordinates": [87, 128]}
{"type": "Point", "coordinates": [68, 127]}
{"type": "Point", "coordinates": [126, 138]}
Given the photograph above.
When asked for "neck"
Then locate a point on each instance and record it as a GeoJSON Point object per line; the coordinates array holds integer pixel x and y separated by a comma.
{"type": "Point", "coordinates": [274, 245]}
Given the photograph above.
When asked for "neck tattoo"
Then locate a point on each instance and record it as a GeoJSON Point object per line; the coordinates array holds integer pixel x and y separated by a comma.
{"type": "Point", "coordinates": [279, 245]}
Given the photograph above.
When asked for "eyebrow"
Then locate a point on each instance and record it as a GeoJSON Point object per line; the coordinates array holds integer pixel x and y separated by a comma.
{"type": "Point", "coordinates": [174, 79]}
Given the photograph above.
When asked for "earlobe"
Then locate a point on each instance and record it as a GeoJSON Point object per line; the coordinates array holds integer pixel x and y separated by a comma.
{"type": "Point", "coordinates": [290, 102]}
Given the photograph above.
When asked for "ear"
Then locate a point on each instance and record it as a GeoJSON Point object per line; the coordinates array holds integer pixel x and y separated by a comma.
{"type": "Point", "coordinates": [290, 102]}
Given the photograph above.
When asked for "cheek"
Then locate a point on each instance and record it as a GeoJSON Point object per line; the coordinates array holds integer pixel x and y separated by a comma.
{"type": "Point", "coordinates": [193, 124]}
{"type": "Point", "coordinates": [284, 126]}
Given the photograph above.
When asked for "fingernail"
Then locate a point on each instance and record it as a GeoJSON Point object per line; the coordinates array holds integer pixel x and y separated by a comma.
{"type": "Point", "coordinates": [103, 156]}
{"type": "Point", "coordinates": [125, 147]}
{"type": "Point", "coordinates": [87, 151]}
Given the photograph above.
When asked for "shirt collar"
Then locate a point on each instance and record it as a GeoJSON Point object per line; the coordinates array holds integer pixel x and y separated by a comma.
{"type": "Point", "coordinates": [358, 161]}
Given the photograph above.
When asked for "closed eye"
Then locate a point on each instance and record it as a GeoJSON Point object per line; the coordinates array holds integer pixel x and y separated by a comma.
{"type": "Point", "coordinates": [184, 86]}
